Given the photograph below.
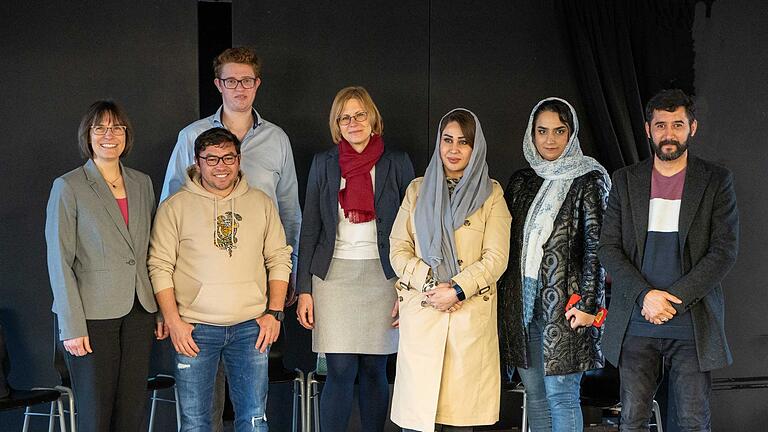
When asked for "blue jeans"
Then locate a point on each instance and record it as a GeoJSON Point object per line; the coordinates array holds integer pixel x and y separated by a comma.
{"type": "Point", "coordinates": [336, 398]}
{"type": "Point", "coordinates": [553, 400]}
{"type": "Point", "coordinates": [247, 373]}
{"type": "Point", "coordinates": [640, 365]}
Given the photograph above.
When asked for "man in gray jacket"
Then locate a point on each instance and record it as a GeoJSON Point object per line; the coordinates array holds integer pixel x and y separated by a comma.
{"type": "Point", "coordinates": [669, 236]}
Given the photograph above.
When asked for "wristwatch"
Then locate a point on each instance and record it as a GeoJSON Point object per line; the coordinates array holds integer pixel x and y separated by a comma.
{"type": "Point", "coordinates": [278, 314]}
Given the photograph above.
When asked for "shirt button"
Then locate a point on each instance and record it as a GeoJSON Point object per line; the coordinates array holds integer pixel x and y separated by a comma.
{"type": "Point", "coordinates": [378, 220]}
{"type": "Point", "coordinates": [466, 223]}
{"type": "Point", "coordinates": [460, 262]}
{"type": "Point", "coordinates": [401, 298]}
{"type": "Point", "coordinates": [131, 262]}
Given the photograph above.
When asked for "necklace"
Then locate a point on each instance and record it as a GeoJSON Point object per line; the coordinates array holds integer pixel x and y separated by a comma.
{"type": "Point", "coordinates": [113, 182]}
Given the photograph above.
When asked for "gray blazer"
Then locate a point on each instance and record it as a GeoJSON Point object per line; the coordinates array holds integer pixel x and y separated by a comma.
{"type": "Point", "coordinates": [97, 265]}
{"type": "Point", "coordinates": [708, 232]}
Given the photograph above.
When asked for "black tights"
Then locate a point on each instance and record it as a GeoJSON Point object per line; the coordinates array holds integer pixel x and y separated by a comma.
{"type": "Point", "coordinates": [336, 397]}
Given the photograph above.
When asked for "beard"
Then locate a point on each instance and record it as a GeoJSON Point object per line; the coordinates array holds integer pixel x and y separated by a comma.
{"type": "Point", "coordinates": [680, 148]}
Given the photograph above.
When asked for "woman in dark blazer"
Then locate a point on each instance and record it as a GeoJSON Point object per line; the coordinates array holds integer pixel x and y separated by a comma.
{"type": "Point", "coordinates": [345, 279]}
{"type": "Point", "coordinates": [557, 210]}
{"type": "Point", "coordinates": [97, 231]}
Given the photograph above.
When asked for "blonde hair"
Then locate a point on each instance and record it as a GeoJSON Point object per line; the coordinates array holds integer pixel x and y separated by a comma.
{"type": "Point", "coordinates": [361, 94]}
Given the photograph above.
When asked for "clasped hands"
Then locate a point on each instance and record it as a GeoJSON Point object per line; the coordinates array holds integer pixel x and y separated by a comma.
{"type": "Point", "coordinates": [657, 306]}
{"type": "Point", "coordinates": [443, 298]}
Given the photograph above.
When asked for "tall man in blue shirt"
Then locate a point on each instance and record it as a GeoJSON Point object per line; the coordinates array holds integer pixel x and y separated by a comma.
{"type": "Point", "coordinates": [266, 158]}
{"type": "Point", "coordinates": [669, 236]}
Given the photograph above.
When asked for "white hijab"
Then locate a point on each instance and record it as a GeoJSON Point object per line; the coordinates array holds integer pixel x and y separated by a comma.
{"type": "Point", "coordinates": [558, 176]}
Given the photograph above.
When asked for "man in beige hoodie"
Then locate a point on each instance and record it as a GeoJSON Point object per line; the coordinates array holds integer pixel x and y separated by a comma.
{"type": "Point", "coordinates": [220, 266]}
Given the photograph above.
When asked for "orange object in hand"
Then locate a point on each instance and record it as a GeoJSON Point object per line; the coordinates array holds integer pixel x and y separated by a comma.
{"type": "Point", "coordinates": [602, 313]}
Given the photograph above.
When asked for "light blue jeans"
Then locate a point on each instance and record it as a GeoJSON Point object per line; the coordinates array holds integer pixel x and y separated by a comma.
{"type": "Point", "coordinates": [553, 400]}
{"type": "Point", "coordinates": [247, 373]}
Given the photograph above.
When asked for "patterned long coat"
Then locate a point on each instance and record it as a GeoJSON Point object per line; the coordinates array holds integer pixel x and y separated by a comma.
{"type": "Point", "coordinates": [569, 265]}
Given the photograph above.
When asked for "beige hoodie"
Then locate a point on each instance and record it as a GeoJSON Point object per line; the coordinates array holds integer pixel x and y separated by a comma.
{"type": "Point", "coordinates": [218, 264]}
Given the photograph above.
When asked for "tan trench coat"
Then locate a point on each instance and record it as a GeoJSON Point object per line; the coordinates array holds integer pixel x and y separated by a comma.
{"type": "Point", "coordinates": [448, 363]}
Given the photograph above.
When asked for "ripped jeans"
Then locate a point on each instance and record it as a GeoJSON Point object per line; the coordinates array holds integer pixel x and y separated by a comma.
{"type": "Point", "coordinates": [247, 373]}
{"type": "Point", "coordinates": [553, 400]}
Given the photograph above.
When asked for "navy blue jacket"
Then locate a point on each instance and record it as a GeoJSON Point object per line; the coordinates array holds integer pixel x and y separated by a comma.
{"type": "Point", "coordinates": [394, 172]}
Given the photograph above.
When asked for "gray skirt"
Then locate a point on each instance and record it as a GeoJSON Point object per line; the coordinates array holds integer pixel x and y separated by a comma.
{"type": "Point", "coordinates": [352, 309]}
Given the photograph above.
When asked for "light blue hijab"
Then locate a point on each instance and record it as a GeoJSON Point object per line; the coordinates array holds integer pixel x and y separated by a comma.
{"type": "Point", "coordinates": [438, 215]}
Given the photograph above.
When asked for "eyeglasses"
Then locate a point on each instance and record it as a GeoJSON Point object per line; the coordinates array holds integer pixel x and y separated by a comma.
{"type": "Point", "coordinates": [347, 119]}
{"type": "Point", "coordinates": [102, 130]}
{"type": "Point", "coordinates": [212, 160]}
{"type": "Point", "coordinates": [231, 83]}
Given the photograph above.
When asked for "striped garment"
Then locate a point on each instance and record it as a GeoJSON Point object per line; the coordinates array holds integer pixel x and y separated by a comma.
{"type": "Point", "coordinates": [662, 262]}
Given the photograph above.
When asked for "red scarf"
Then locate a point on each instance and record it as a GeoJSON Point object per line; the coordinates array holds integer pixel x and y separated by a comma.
{"type": "Point", "coordinates": [357, 196]}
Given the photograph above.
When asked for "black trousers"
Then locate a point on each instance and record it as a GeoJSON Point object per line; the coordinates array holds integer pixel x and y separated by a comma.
{"type": "Point", "coordinates": [110, 384]}
{"type": "Point", "coordinates": [640, 366]}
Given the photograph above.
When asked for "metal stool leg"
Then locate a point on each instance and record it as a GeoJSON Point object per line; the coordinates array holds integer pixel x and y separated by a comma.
{"type": "Point", "coordinates": [178, 410]}
{"type": "Point", "coordinates": [657, 415]}
{"type": "Point", "coordinates": [152, 410]}
{"type": "Point", "coordinates": [525, 412]}
{"type": "Point", "coordinates": [62, 422]}
{"type": "Point", "coordinates": [25, 428]}
{"type": "Point", "coordinates": [71, 400]}
{"type": "Point", "coordinates": [52, 412]}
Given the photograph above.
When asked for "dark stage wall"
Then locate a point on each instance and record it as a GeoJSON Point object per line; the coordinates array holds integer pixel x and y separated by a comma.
{"type": "Point", "coordinates": [731, 67]}
{"type": "Point", "coordinates": [59, 57]}
{"type": "Point", "coordinates": [418, 60]}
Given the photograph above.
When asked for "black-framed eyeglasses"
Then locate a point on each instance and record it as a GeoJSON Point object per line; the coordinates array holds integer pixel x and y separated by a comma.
{"type": "Point", "coordinates": [231, 83]}
{"type": "Point", "coordinates": [347, 119]}
{"type": "Point", "coordinates": [212, 160]}
{"type": "Point", "coordinates": [102, 130]}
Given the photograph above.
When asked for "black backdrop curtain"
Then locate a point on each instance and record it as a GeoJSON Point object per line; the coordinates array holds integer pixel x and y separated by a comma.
{"type": "Point", "coordinates": [624, 51]}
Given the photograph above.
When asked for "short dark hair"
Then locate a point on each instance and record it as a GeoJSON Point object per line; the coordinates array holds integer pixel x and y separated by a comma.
{"type": "Point", "coordinates": [466, 122]}
{"type": "Point", "coordinates": [560, 108]}
{"type": "Point", "coordinates": [98, 111]}
{"type": "Point", "coordinates": [214, 137]}
{"type": "Point", "coordinates": [242, 55]}
{"type": "Point", "coordinates": [670, 100]}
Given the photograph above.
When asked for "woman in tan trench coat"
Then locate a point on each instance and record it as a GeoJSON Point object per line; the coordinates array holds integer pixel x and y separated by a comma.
{"type": "Point", "coordinates": [449, 245]}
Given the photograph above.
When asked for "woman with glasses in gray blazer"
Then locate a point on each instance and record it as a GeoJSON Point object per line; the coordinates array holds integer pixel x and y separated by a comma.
{"type": "Point", "coordinates": [97, 230]}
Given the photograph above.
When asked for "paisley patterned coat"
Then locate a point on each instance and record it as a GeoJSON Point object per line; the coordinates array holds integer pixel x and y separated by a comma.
{"type": "Point", "coordinates": [569, 265]}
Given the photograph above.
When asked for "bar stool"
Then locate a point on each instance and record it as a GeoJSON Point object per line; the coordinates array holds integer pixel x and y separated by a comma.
{"type": "Point", "coordinates": [155, 384]}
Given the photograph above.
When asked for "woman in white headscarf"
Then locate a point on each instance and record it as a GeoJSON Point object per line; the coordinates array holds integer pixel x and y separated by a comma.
{"type": "Point", "coordinates": [557, 206]}
{"type": "Point", "coordinates": [449, 245]}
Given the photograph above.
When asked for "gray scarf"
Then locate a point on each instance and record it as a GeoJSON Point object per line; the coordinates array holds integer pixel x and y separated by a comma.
{"type": "Point", "coordinates": [438, 215]}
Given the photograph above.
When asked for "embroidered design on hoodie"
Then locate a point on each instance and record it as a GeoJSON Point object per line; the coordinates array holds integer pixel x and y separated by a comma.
{"type": "Point", "coordinates": [225, 237]}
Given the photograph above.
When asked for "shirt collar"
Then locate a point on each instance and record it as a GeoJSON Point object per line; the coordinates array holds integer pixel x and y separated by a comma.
{"type": "Point", "coordinates": [218, 123]}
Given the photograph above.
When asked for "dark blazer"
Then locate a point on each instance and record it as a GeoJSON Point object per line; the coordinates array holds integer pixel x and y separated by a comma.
{"type": "Point", "coordinates": [569, 265]}
{"type": "Point", "coordinates": [708, 232]}
{"type": "Point", "coordinates": [394, 172]}
{"type": "Point", "coordinates": [96, 264]}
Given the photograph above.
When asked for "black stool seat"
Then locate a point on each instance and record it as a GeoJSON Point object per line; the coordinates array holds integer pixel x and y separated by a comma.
{"type": "Point", "coordinates": [281, 375]}
{"type": "Point", "coordinates": [160, 382]}
{"type": "Point", "coordinates": [23, 398]}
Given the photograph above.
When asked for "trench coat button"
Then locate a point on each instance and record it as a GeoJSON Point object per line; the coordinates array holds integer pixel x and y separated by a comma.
{"type": "Point", "coordinates": [486, 298]}
{"type": "Point", "coordinates": [424, 303]}
{"type": "Point", "coordinates": [131, 261]}
{"type": "Point", "coordinates": [466, 223]}
{"type": "Point", "coordinates": [401, 298]}
{"type": "Point", "coordinates": [460, 262]}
